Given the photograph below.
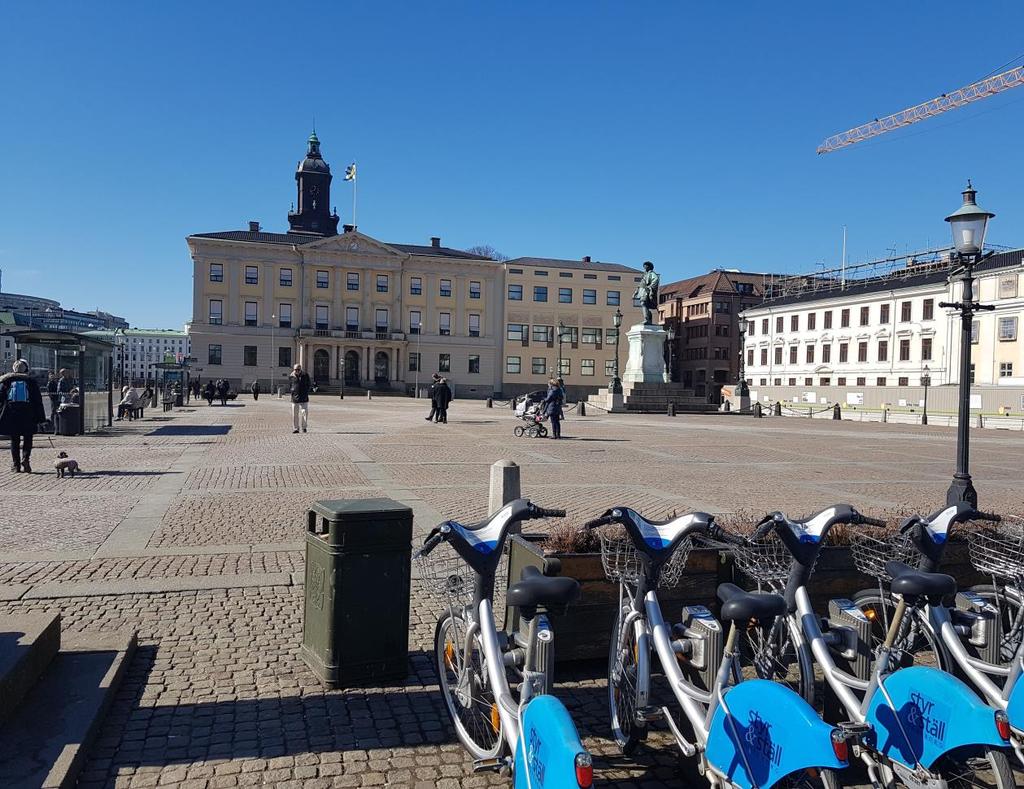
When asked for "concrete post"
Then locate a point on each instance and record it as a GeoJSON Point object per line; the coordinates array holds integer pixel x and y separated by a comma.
{"type": "Point", "coordinates": [583, 408]}
{"type": "Point", "coordinates": [836, 413]}
{"type": "Point", "coordinates": [504, 485]}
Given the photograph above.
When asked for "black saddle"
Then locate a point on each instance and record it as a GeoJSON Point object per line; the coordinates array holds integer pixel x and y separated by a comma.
{"type": "Point", "coordinates": [909, 582]}
{"type": "Point", "coordinates": [740, 606]}
{"type": "Point", "coordinates": [534, 589]}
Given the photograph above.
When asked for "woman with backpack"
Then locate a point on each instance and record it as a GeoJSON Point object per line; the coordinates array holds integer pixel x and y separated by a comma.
{"type": "Point", "coordinates": [21, 409]}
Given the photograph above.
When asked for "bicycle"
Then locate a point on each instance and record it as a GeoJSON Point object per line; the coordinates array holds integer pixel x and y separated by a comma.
{"type": "Point", "coordinates": [748, 732]}
{"type": "Point", "coordinates": [533, 737]}
{"type": "Point", "coordinates": [909, 729]}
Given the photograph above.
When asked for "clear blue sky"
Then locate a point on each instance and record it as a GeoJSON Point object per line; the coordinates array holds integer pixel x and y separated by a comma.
{"type": "Point", "coordinates": [683, 133]}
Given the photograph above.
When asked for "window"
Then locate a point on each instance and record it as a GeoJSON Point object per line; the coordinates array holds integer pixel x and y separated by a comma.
{"type": "Point", "coordinates": [565, 274]}
{"type": "Point", "coordinates": [614, 278]}
{"type": "Point", "coordinates": [352, 281]}
{"type": "Point", "coordinates": [474, 290]}
{"type": "Point", "coordinates": [252, 275]}
{"type": "Point", "coordinates": [1006, 369]}
{"type": "Point", "coordinates": [444, 324]}
{"type": "Point", "coordinates": [880, 381]}
{"type": "Point", "coordinates": [515, 332]}
{"type": "Point", "coordinates": [928, 310]}
{"type": "Point", "coordinates": [750, 357]}
{"type": "Point", "coordinates": [844, 319]}
{"type": "Point", "coordinates": [250, 313]}
{"type": "Point", "coordinates": [414, 362]}
{"type": "Point", "coordinates": [609, 367]}
{"type": "Point", "coordinates": [322, 317]}
{"type": "Point", "coordinates": [862, 381]}
{"type": "Point", "coordinates": [322, 279]}
{"type": "Point", "coordinates": [778, 325]}
{"type": "Point", "coordinates": [444, 362]}
{"type": "Point", "coordinates": [810, 354]}
{"type": "Point", "coordinates": [513, 365]}
{"type": "Point", "coordinates": [351, 319]}
{"type": "Point", "coordinates": [284, 316]}
{"type": "Point", "coordinates": [540, 273]}
{"type": "Point", "coordinates": [474, 364]}
{"type": "Point", "coordinates": [826, 354]}
{"type": "Point", "coordinates": [415, 319]}
{"type": "Point", "coordinates": [777, 382]}
{"type": "Point", "coordinates": [611, 335]}
{"type": "Point", "coordinates": [840, 382]}
{"type": "Point", "coordinates": [285, 278]}
{"type": "Point", "coordinates": [744, 287]}
{"type": "Point", "coordinates": [381, 321]}
{"type": "Point", "coordinates": [825, 381]}
{"type": "Point", "coordinates": [446, 288]}
{"type": "Point", "coordinates": [515, 292]}
{"type": "Point", "coordinates": [828, 319]}
{"type": "Point", "coordinates": [1007, 329]}
{"type": "Point", "coordinates": [722, 307]}
{"type": "Point", "coordinates": [792, 354]}
{"type": "Point", "coordinates": [249, 355]}
{"type": "Point", "coordinates": [903, 381]}
{"type": "Point", "coordinates": [862, 352]}
{"type": "Point", "coordinates": [587, 367]}
{"type": "Point", "coordinates": [865, 316]}
{"type": "Point", "coordinates": [589, 296]}
{"type": "Point", "coordinates": [750, 328]}
{"type": "Point", "coordinates": [844, 352]}
{"type": "Point", "coordinates": [515, 271]}
{"type": "Point", "coordinates": [778, 354]}
{"type": "Point", "coordinates": [613, 298]}
{"type": "Point", "coordinates": [382, 283]}
{"type": "Point", "coordinates": [216, 272]}
{"type": "Point", "coordinates": [794, 323]}
{"type": "Point", "coordinates": [1008, 287]}
{"type": "Point", "coordinates": [905, 311]}
{"type": "Point", "coordinates": [812, 320]}
{"type": "Point", "coordinates": [591, 336]}
{"type": "Point", "coordinates": [565, 295]}
{"type": "Point", "coordinates": [474, 325]}
{"type": "Point", "coordinates": [883, 313]}
{"type": "Point", "coordinates": [975, 331]}
{"type": "Point", "coordinates": [284, 357]}
{"type": "Point", "coordinates": [216, 312]}
{"type": "Point", "coordinates": [808, 382]}
{"type": "Point", "coordinates": [764, 325]}
{"type": "Point", "coordinates": [564, 367]}
{"type": "Point", "coordinates": [926, 349]}
{"type": "Point", "coordinates": [904, 350]}
{"type": "Point", "coordinates": [883, 350]}
{"type": "Point", "coordinates": [416, 286]}
{"type": "Point", "coordinates": [213, 354]}
{"type": "Point", "coordinates": [764, 356]}
{"type": "Point", "coordinates": [792, 381]}
{"type": "Point", "coordinates": [540, 292]}
{"type": "Point", "coordinates": [539, 365]}
{"type": "Point", "coordinates": [571, 334]}
{"type": "Point", "coordinates": [543, 333]}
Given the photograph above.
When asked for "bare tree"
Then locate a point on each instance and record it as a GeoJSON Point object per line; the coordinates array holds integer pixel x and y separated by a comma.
{"type": "Point", "coordinates": [488, 252]}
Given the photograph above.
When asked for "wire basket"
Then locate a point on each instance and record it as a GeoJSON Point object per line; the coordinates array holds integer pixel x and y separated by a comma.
{"type": "Point", "coordinates": [622, 562]}
{"type": "Point", "coordinates": [871, 554]}
{"type": "Point", "coordinates": [446, 578]}
{"type": "Point", "coordinates": [766, 560]}
{"type": "Point", "coordinates": [999, 551]}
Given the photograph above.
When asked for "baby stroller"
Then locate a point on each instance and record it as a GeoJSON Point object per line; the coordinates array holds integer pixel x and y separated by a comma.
{"type": "Point", "coordinates": [533, 421]}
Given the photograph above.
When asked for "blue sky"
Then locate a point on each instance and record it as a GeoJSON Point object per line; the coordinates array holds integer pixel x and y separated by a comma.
{"type": "Point", "coordinates": [680, 133]}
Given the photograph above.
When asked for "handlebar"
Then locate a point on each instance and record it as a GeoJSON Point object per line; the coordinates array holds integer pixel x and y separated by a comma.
{"type": "Point", "coordinates": [866, 521]}
{"type": "Point", "coordinates": [540, 512]}
{"type": "Point", "coordinates": [604, 520]}
{"type": "Point", "coordinates": [986, 516]}
{"type": "Point", "coordinates": [718, 533]}
{"type": "Point", "coordinates": [433, 540]}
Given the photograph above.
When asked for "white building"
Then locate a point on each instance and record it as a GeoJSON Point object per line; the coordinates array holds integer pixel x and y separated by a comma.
{"type": "Point", "coordinates": [137, 350]}
{"type": "Point", "coordinates": [889, 331]}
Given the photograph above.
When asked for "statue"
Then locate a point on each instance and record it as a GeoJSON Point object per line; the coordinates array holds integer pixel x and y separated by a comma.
{"type": "Point", "coordinates": [647, 292]}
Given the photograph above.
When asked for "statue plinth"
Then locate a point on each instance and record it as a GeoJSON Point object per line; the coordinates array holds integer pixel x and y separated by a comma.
{"type": "Point", "coordinates": [646, 362]}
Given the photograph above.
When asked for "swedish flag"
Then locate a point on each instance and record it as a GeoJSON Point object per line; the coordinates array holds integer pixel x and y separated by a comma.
{"type": "Point", "coordinates": [350, 172]}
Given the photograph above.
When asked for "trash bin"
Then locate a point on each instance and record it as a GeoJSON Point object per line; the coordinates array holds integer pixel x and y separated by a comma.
{"type": "Point", "coordinates": [69, 420]}
{"type": "Point", "coordinates": [355, 627]}
{"type": "Point", "coordinates": [179, 399]}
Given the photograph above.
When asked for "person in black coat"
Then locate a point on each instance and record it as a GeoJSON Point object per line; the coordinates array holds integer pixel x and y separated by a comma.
{"type": "Point", "coordinates": [432, 391]}
{"type": "Point", "coordinates": [51, 392]}
{"type": "Point", "coordinates": [21, 409]}
{"type": "Point", "coordinates": [255, 389]}
{"type": "Point", "coordinates": [209, 392]}
{"type": "Point", "coordinates": [442, 397]}
{"type": "Point", "coordinates": [552, 407]}
{"type": "Point", "coordinates": [223, 387]}
{"type": "Point", "coordinates": [301, 386]}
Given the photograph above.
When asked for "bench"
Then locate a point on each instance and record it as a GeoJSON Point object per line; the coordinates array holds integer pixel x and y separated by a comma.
{"type": "Point", "coordinates": [136, 411]}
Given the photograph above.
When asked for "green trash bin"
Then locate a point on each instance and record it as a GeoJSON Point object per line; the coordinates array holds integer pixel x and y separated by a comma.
{"type": "Point", "coordinates": [355, 626]}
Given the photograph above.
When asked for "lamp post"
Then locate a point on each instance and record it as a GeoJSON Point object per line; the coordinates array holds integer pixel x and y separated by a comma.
{"type": "Point", "coordinates": [741, 385]}
{"type": "Point", "coordinates": [616, 383]}
{"type": "Point", "coordinates": [561, 338]}
{"type": "Point", "coordinates": [926, 380]}
{"type": "Point", "coordinates": [968, 224]}
{"type": "Point", "coordinates": [670, 346]}
{"type": "Point", "coordinates": [419, 359]}
{"type": "Point", "coordinates": [273, 320]}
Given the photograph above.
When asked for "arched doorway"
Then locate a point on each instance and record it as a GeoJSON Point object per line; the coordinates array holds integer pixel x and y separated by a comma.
{"type": "Point", "coordinates": [381, 367]}
{"type": "Point", "coordinates": [351, 368]}
{"type": "Point", "coordinates": [321, 366]}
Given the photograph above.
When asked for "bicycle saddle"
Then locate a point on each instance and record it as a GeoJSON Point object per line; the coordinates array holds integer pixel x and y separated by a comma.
{"type": "Point", "coordinates": [740, 606]}
{"type": "Point", "coordinates": [534, 589]}
{"type": "Point", "coordinates": [907, 581]}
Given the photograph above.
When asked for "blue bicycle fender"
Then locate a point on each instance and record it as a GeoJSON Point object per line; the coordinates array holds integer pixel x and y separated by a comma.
{"type": "Point", "coordinates": [548, 744]}
{"type": "Point", "coordinates": [1015, 707]}
{"type": "Point", "coordinates": [777, 730]}
{"type": "Point", "coordinates": [937, 713]}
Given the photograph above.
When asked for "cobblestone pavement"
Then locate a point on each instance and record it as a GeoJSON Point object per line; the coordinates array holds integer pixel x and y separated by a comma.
{"type": "Point", "coordinates": [189, 530]}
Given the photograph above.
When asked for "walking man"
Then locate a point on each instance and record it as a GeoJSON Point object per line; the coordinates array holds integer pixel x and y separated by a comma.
{"type": "Point", "coordinates": [64, 386]}
{"type": "Point", "coordinates": [21, 409]}
{"type": "Point", "coordinates": [300, 386]}
{"type": "Point", "coordinates": [432, 391]}
{"type": "Point", "coordinates": [255, 389]}
{"type": "Point", "coordinates": [442, 397]}
{"type": "Point", "coordinates": [51, 392]}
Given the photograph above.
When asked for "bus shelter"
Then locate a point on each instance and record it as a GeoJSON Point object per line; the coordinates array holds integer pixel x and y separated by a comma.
{"type": "Point", "coordinates": [174, 377]}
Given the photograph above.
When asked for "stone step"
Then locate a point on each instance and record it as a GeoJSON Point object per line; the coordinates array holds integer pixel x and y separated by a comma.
{"type": "Point", "coordinates": [46, 740]}
{"type": "Point", "coordinates": [27, 645]}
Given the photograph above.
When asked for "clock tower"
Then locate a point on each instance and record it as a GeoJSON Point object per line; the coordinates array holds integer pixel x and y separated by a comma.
{"type": "Point", "coordinates": [313, 180]}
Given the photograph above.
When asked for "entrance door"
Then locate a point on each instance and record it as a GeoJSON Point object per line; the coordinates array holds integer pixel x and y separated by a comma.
{"type": "Point", "coordinates": [321, 366]}
{"type": "Point", "coordinates": [381, 367]}
{"type": "Point", "coordinates": [351, 368]}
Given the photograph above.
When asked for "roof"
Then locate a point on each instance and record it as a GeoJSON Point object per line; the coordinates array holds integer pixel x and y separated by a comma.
{"type": "Point", "coordinates": [585, 265]}
{"type": "Point", "coordinates": [300, 239]}
{"type": "Point", "coordinates": [438, 252]}
{"type": "Point", "coordinates": [140, 332]}
{"type": "Point", "coordinates": [716, 281]}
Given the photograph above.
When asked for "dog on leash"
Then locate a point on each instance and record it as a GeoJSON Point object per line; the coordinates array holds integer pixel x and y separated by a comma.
{"type": "Point", "coordinates": [64, 464]}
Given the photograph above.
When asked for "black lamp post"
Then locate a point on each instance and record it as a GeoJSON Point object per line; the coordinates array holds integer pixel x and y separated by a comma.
{"type": "Point", "coordinates": [741, 386]}
{"type": "Point", "coordinates": [615, 387]}
{"type": "Point", "coordinates": [926, 380]}
{"type": "Point", "coordinates": [968, 224]}
{"type": "Point", "coordinates": [670, 346]}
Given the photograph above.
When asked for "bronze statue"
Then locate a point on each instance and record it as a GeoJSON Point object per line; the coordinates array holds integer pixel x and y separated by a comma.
{"type": "Point", "coordinates": [647, 292]}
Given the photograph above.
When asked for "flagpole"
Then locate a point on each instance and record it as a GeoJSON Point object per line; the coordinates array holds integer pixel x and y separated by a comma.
{"type": "Point", "coordinates": [355, 187]}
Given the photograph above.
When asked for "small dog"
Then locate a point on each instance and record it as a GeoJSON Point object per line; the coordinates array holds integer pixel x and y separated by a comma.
{"type": "Point", "coordinates": [65, 464]}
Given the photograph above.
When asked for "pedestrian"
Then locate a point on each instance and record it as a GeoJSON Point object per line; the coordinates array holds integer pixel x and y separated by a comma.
{"type": "Point", "coordinates": [64, 387]}
{"type": "Point", "coordinates": [255, 389]}
{"type": "Point", "coordinates": [552, 406]}
{"type": "Point", "coordinates": [21, 410]}
{"type": "Point", "coordinates": [209, 392]}
{"type": "Point", "coordinates": [188, 393]}
{"type": "Point", "coordinates": [222, 391]}
{"type": "Point", "coordinates": [561, 385]}
{"type": "Point", "coordinates": [300, 386]}
{"type": "Point", "coordinates": [444, 397]}
{"type": "Point", "coordinates": [129, 402]}
{"type": "Point", "coordinates": [51, 392]}
{"type": "Point", "coordinates": [432, 391]}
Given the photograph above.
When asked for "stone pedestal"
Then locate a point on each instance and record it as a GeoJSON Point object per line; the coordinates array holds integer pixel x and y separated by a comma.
{"type": "Point", "coordinates": [646, 362]}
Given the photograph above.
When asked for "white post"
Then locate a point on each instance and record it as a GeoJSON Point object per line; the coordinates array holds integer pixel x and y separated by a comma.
{"type": "Point", "coordinates": [504, 485]}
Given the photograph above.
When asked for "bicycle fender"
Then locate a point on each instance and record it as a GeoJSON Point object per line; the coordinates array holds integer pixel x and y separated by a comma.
{"type": "Point", "coordinates": [777, 731]}
{"type": "Point", "coordinates": [934, 713]}
{"type": "Point", "coordinates": [1015, 706]}
{"type": "Point", "coordinates": [547, 748]}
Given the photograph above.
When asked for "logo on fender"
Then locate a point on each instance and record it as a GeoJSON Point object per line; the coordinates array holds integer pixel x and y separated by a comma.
{"type": "Point", "coordinates": [759, 737]}
{"type": "Point", "coordinates": [534, 757]}
{"type": "Point", "coordinates": [928, 717]}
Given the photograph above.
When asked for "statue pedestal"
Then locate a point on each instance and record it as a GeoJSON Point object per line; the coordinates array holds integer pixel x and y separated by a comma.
{"type": "Point", "coordinates": [646, 362]}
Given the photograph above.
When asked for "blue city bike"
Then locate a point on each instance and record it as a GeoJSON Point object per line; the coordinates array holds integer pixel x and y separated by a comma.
{"type": "Point", "coordinates": [496, 685]}
{"type": "Point", "coordinates": [747, 732]}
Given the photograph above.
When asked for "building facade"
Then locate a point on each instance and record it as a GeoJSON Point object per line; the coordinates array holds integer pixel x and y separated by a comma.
{"type": "Point", "coordinates": [41, 313]}
{"type": "Point", "coordinates": [137, 350]}
{"type": "Point", "coordinates": [889, 331]}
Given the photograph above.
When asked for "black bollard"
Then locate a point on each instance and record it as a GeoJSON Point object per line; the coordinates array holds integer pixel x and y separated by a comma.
{"type": "Point", "coordinates": [512, 404]}
{"type": "Point", "coordinates": [490, 403]}
{"type": "Point", "coordinates": [341, 392]}
{"type": "Point", "coordinates": [778, 408]}
{"type": "Point", "coordinates": [757, 411]}
{"type": "Point", "coordinates": [583, 408]}
{"type": "Point", "coordinates": [836, 413]}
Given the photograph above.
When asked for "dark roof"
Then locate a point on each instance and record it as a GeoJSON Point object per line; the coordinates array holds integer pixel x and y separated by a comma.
{"type": "Point", "coordinates": [593, 265]}
{"type": "Point", "coordinates": [438, 252]}
{"type": "Point", "coordinates": [299, 239]}
{"type": "Point", "coordinates": [881, 284]}
{"type": "Point", "coordinates": [716, 281]}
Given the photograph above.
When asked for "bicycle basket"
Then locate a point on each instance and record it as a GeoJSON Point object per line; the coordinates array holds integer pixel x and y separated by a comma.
{"type": "Point", "coordinates": [766, 560]}
{"type": "Point", "coordinates": [999, 551]}
{"type": "Point", "coordinates": [870, 553]}
{"type": "Point", "coordinates": [446, 578]}
{"type": "Point", "coordinates": [622, 563]}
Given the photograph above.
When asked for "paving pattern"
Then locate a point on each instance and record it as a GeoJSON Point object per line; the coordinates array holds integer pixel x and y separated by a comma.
{"type": "Point", "coordinates": [189, 529]}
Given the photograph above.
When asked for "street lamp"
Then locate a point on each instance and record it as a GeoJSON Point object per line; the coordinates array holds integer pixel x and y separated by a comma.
{"type": "Point", "coordinates": [419, 359]}
{"type": "Point", "coordinates": [273, 320]}
{"type": "Point", "coordinates": [741, 386]}
{"type": "Point", "coordinates": [616, 384]}
{"type": "Point", "coordinates": [968, 224]}
{"type": "Point", "coordinates": [561, 338]}
{"type": "Point", "coordinates": [671, 348]}
{"type": "Point", "coordinates": [926, 380]}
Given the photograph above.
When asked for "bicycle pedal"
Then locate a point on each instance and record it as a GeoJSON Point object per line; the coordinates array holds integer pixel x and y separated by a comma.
{"type": "Point", "coordinates": [489, 765]}
{"type": "Point", "coordinates": [646, 715]}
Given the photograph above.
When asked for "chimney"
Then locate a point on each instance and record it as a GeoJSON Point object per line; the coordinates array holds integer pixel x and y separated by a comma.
{"type": "Point", "coordinates": [435, 241]}
{"type": "Point", "coordinates": [586, 258]}
{"type": "Point", "coordinates": [254, 227]}
{"type": "Point", "coordinates": [348, 228]}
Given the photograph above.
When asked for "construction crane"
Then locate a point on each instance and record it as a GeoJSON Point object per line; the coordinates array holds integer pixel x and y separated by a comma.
{"type": "Point", "coordinates": [947, 101]}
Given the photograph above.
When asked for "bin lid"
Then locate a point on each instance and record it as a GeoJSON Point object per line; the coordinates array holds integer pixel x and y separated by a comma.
{"type": "Point", "coordinates": [360, 509]}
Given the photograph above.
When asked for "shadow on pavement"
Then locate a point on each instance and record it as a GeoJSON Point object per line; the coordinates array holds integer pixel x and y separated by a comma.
{"type": "Point", "coordinates": [191, 430]}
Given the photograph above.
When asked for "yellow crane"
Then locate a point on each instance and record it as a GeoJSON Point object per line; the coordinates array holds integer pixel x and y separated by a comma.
{"type": "Point", "coordinates": [976, 91]}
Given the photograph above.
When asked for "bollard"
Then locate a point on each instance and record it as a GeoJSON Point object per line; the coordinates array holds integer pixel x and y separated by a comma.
{"type": "Point", "coordinates": [836, 413]}
{"type": "Point", "coordinates": [757, 411]}
{"type": "Point", "coordinates": [726, 406]}
{"type": "Point", "coordinates": [778, 408]}
{"type": "Point", "coordinates": [981, 420]}
{"type": "Point", "coordinates": [671, 409]}
{"type": "Point", "coordinates": [490, 403]}
{"type": "Point", "coordinates": [341, 392]}
{"type": "Point", "coordinates": [512, 404]}
{"type": "Point", "coordinates": [369, 395]}
{"type": "Point", "coordinates": [504, 485]}
{"type": "Point", "coordinates": [583, 408]}
{"type": "Point", "coordinates": [885, 414]}
{"type": "Point", "coordinates": [810, 412]}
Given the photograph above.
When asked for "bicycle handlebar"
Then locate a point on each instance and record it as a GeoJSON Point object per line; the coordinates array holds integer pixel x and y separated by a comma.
{"type": "Point", "coordinates": [718, 533]}
{"type": "Point", "coordinates": [604, 520]}
{"type": "Point", "coordinates": [540, 512]}
{"type": "Point", "coordinates": [866, 521]}
{"type": "Point", "coordinates": [435, 538]}
{"type": "Point", "coordinates": [986, 516]}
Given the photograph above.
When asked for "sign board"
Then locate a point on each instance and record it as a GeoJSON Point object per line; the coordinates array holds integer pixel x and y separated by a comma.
{"type": "Point", "coordinates": [903, 403]}
{"type": "Point", "coordinates": [975, 402]}
{"type": "Point", "coordinates": [855, 398]}
{"type": "Point", "coordinates": [810, 397]}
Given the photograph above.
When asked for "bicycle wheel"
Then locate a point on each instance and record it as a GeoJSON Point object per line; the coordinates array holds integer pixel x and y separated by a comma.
{"type": "Point", "coordinates": [465, 688]}
{"type": "Point", "coordinates": [986, 768]}
{"type": "Point", "coordinates": [811, 778]}
{"type": "Point", "coordinates": [518, 431]}
{"type": "Point", "coordinates": [768, 652]}
{"type": "Point", "coordinates": [916, 644]}
{"type": "Point", "coordinates": [1010, 605]}
{"type": "Point", "coordinates": [627, 731]}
